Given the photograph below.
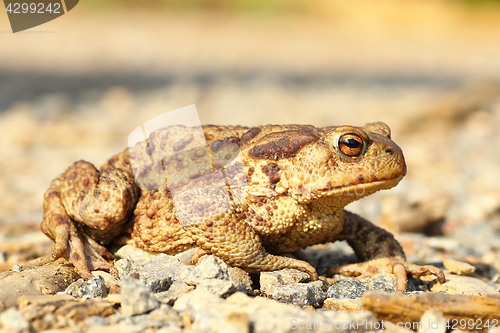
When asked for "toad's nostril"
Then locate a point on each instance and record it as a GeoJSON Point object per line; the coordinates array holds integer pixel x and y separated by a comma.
{"type": "Point", "coordinates": [389, 151]}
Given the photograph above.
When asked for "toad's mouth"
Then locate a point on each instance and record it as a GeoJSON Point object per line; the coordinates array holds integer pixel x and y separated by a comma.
{"type": "Point", "coordinates": [359, 189]}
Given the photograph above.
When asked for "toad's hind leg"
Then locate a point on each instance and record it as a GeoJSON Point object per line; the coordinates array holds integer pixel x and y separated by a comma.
{"type": "Point", "coordinates": [82, 206]}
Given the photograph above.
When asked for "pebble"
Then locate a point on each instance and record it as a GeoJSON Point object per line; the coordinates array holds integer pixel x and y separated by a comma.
{"type": "Point", "coordinates": [240, 279]}
{"type": "Point", "coordinates": [356, 288]}
{"type": "Point", "coordinates": [95, 287]}
{"type": "Point", "coordinates": [209, 267]}
{"type": "Point", "coordinates": [49, 318]}
{"type": "Point", "coordinates": [463, 285]}
{"type": "Point", "coordinates": [221, 288]}
{"type": "Point", "coordinates": [96, 321]}
{"type": "Point", "coordinates": [134, 253]}
{"type": "Point", "coordinates": [162, 271]}
{"type": "Point", "coordinates": [433, 321]}
{"type": "Point", "coordinates": [267, 315]}
{"type": "Point", "coordinates": [170, 329]}
{"type": "Point", "coordinates": [17, 268]}
{"type": "Point", "coordinates": [236, 323]}
{"type": "Point", "coordinates": [144, 321]}
{"type": "Point", "coordinates": [126, 267]}
{"type": "Point", "coordinates": [203, 307]}
{"type": "Point", "coordinates": [73, 289]}
{"type": "Point", "coordinates": [169, 297]}
{"type": "Point", "coordinates": [45, 300]}
{"type": "Point", "coordinates": [459, 267]}
{"type": "Point", "coordinates": [186, 256]}
{"type": "Point", "coordinates": [137, 298]}
{"type": "Point", "coordinates": [109, 279]}
{"type": "Point", "coordinates": [13, 321]}
{"type": "Point", "coordinates": [242, 313]}
{"type": "Point", "coordinates": [156, 282]}
{"type": "Point", "coordinates": [49, 278]}
{"type": "Point", "coordinates": [269, 280]}
{"type": "Point", "coordinates": [343, 304]}
{"type": "Point", "coordinates": [301, 294]}
{"type": "Point", "coordinates": [180, 286]}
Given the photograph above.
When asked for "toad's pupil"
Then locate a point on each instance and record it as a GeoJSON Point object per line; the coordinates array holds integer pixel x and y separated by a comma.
{"type": "Point", "coordinates": [351, 143]}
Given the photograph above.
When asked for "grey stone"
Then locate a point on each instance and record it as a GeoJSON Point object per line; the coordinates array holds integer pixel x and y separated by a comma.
{"type": "Point", "coordinates": [459, 267]}
{"type": "Point", "coordinates": [210, 313]}
{"type": "Point", "coordinates": [134, 253]}
{"type": "Point", "coordinates": [413, 293]}
{"type": "Point", "coordinates": [197, 300]}
{"type": "Point", "coordinates": [137, 298]}
{"type": "Point", "coordinates": [49, 318]}
{"type": "Point", "coordinates": [209, 267]}
{"type": "Point", "coordinates": [221, 288]}
{"type": "Point", "coordinates": [342, 304]}
{"type": "Point", "coordinates": [170, 329]}
{"type": "Point", "coordinates": [463, 285]}
{"type": "Point", "coordinates": [41, 276]}
{"type": "Point", "coordinates": [96, 321]}
{"type": "Point", "coordinates": [168, 297]}
{"type": "Point", "coordinates": [203, 307]}
{"type": "Point", "coordinates": [301, 294]}
{"type": "Point", "coordinates": [121, 327]}
{"type": "Point", "coordinates": [186, 256]}
{"type": "Point", "coordinates": [75, 287]}
{"type": "Point", "coordinates": [267, 315]}
{"type": "Point", "coordinates": [180, 286]}
{"type": "Point", "coordinates": [269, 280]}
{"type": "Point", "coordinates": [13, 321]}
{"type": "Point", "coordinates": [95, 287]}
{"type": "Point", "coordinates": [432, 321]}
{"type": "Point", "coordinates": [109, 279]}
{"type": "Point", "coordinates": [116, 318]}
{"type": "Point", "coordinates": [241, 280]}
{"type": "Point", "coordinates": [161, 317]}
{"type": "Point", "coordinates": [166, 314]}
{"type": "Point", "coordinates": [347, 289]}
{"type": "Point", "coordinates": [144, 321]}
{"type": "Point", "coordinates": [17, 268]}
{"type": "Point", "coordinates": [126, 267]}
{"type": "Point", "coordinates": [356, 288]}
{"type": "Point", "coordinates": [160, 272]}
{"type": "Point", "coordinates": [158, 283]}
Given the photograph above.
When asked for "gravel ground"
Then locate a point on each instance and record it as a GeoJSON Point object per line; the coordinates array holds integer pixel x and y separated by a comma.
{"type": "Point", "coordinates": [95, 76]}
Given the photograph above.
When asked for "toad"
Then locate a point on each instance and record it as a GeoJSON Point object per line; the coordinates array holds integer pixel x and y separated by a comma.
{"type": "Point", "coordinates": [245, 195]}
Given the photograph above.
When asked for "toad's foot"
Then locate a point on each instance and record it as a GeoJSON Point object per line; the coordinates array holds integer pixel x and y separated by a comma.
{"type": "Point", "coordinates": [394, 265]}
{"type": "Point", "coordinates": [271, 262]}
{"type": "Point", "coordinates": [83, 252]}
{"type": "Point", "coordinates": [82, 205]}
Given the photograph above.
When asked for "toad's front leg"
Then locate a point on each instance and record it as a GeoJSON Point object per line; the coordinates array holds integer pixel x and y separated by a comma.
{"type": "Point", "coordinates": [381, 253]}
{"type": "Point", "coordinates": [83, 205]}
{"type": "Point", "coordinates": [218, 226]}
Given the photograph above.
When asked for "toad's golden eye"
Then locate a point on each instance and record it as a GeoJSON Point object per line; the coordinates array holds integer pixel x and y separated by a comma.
{"type": "Point", "coordinates": [351, 144]}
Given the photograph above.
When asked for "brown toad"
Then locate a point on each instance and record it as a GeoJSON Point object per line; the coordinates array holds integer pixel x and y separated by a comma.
{"type": "Point", "coordinates": [242, 194]}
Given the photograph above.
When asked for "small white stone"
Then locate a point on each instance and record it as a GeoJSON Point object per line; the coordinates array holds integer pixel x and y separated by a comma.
{"type": "Point", "coordinates": [13, 321]}
{"type": "Point", "coordinates": [433, 321]}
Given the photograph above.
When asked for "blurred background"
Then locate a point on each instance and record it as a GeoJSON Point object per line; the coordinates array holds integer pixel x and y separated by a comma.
{"type": "Point", "coordinates": [74, 88]}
